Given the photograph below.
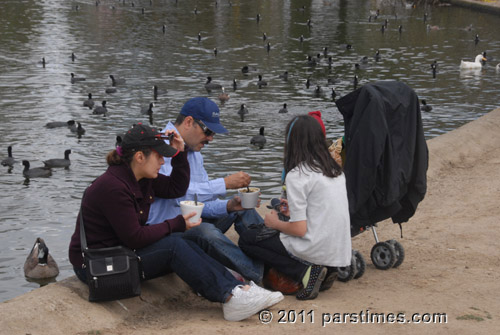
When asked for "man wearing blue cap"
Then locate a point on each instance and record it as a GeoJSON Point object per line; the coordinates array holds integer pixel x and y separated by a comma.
{"type": "Point", "coordinates": [197, 123]}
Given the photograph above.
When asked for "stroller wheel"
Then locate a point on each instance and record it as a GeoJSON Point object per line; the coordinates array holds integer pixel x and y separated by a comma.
{"type": "Point", "coordinates": [346, 273]}
{"type": "Point", "coordinates": [360, 264]}
{"type": "Point", "coordinates": [400, 252]}
{"type": "Point", "coordinates": [383, 255]}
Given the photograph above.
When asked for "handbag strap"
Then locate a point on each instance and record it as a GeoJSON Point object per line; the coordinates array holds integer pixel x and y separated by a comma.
{"type": "Point", "coordinates": [83, 239]}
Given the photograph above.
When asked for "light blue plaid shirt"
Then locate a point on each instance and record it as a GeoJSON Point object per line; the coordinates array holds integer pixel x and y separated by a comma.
{"type": "Point", "coordinates": [208, 191]}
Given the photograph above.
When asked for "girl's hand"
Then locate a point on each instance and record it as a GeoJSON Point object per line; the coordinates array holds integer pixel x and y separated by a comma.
{"type": "Point", "coordinates": [284, 207]}
{"type": "Point", "coordinates": [176, 140]}
{"type": "Point", "coordinates": [271, 219]}
{"type": "Point", "coordinates": [189, 224]}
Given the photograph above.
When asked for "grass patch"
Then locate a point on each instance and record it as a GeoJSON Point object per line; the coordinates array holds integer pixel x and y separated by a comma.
{"type": "Point", "coordinates": [470, 317]}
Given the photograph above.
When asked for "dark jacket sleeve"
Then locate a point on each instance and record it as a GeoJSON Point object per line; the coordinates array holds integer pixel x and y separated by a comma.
{"type": "Point", "coordinates": [175, 185]}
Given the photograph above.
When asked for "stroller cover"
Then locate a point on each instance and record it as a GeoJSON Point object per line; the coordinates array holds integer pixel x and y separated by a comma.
{"type": "Point", "coordinates": [386, 153]}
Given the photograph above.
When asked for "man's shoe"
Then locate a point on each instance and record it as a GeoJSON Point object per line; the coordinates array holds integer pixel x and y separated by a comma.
{"type": "Point", "coordinates": [276, 281]}
{"type": "Point", "coordinates": [316, 277]}
{"type": "Point", "coordinates": [243, 304]}
{"type": "Point", "coordinates": [273, 297]}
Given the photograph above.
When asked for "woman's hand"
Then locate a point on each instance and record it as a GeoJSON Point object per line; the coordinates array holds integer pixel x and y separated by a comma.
{"type": "Point", "coordinates": [176, 140]}
{"type": "Point", "coordinates": [189, 224]}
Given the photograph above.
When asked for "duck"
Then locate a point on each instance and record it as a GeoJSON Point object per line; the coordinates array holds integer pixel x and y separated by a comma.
{"type": "Point", "coordinates": [89, 102]}
{"type": "Point", "coordinates": [318, 91]}
{"type": "Point", "coordinates": [333, 94]}
{"type": "Point", "coordinates": [284, 75]}
{"type": "Point", "coordinates": [73, 57]}
{"type": "Point", "coordinates": [476, 64]}
{"type": "Point", "coordinates": [355, 82]}
{"type": "Point", "coordinates": [76, 79]}
{"type": "Point", "coordinates": [59, 162]}
{"type": "Point", "coordinates": [429, 27]}
{"type": "Point", "coordinates": [40, 264]}
{"type": "Point", "coordinates": [115, 81]}
{"type": "Point", "coordinates": [223, 97]}
{"type": "Point", "coordinates": [235, 84]}
{"type": "Point", "coordinates": [311, 61]}
{"type": "Point", "coordinates": [425, 107]}
{"type": "Point", "coordinates": [242, 111]}
{"type": "Point", "coordinates": [101, 109]}
{"type": "Point", "coordinates": [259, 140]}
{"type": "Point", "coordinates": [57, 124]}
{"type": "Point", "coordinates": [156, 92]}
{"type": "Point", "coordinates": [9, 161]}
{"type": "Point", "coordinates": [268, 46]}
{"type": "Point", "coordinates": [377, 56]}
{"type": "Point", "coordinates": [308, 83]}
{"type": "Point", "coordinates": [284, 109]}
{"type": "Point", "coordinates": [78, 129]}
{"type": "Point", "coordinates": [148, 110]}
{"type": "Point", "coordinates": [261, 82]}
{"type": "Point", "coordinates": [36, 172]}
{"type": "Point", "coordinates": [209, 85]}
{"type": "Point", "coordinates": [42, 62]}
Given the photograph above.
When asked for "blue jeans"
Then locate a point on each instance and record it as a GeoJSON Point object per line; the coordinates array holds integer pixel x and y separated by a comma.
{"type": "Point", "coordinates": [184, 257]}
{"type": "Point", "coordinates": [210, 237]}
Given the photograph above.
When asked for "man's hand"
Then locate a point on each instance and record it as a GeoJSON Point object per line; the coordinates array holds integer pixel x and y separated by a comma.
{"type": "Point", "coordinates": [234, 204]}
{"type": "Point", "coordinates": [237, 180]}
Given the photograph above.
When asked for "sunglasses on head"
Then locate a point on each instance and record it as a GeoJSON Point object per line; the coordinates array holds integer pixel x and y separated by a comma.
{"type": "Point", "coordinates": [205, 129]}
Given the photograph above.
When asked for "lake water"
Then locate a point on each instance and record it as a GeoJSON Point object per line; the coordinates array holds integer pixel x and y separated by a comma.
{"type": "Point", "coordinates": [129, 42]}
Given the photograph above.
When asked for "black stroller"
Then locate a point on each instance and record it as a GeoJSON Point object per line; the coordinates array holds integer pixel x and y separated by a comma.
{"type": "Point", "coordinates": [385, 163]}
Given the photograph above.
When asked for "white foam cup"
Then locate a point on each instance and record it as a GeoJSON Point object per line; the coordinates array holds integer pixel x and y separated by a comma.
{"type": "Point", "coordinates": [189, 206]}
{"type": "Point", "coordinates": [249, 199]}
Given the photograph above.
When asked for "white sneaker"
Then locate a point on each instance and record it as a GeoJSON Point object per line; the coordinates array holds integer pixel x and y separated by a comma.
{"type": "Point", "coordinates": [243, 304]}
{"type": "Point", "coordinates": [273, 297]}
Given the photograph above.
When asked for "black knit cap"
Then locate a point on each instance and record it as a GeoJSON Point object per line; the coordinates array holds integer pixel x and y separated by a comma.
{"type": "Point", "coordinates": [140, 136]}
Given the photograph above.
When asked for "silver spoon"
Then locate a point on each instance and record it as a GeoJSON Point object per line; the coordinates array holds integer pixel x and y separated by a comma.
{"type": "Point", "coordinates": [196, 199]}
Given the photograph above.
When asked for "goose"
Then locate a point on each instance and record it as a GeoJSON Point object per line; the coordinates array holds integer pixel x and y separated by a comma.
{"type": "Point", "coordinates": [39, 264]}
{"type": "Point", "coordinates": [268, 46]}
{"type": "Point", "coordinates": [42, 62]}
{"type": "Point", "coordinates": [57, 124]}
{"type": "Point", "coordinates": [9, 161]}
{"type": "Point", "coordinates": [355, 81]}
{"type": "Point", "coordinates": [264, 36]}
{"type": "Point", "coordinates": [110, 90]}
{"type": "Point", "coordinates": [425, 107]}
{"type": "Point", "coordinates": [215, 52]}
{"type": "Point", "coordinates": [101, 109]}
{"type": "Point", "coordinates": [115, 81]}
{"type": "Point", "coordinates": [59, 162]}
{"type": "Point", "coordinates": [235, 84]}
{"type": "Point", "coordinates": [377, 56]}
{"type": "Point", "coordinates": [245, 69]}
{"type": "Point", "coordinates": [476, 64]}
{"type": "Point", "coordinates": [308, 83]}
{"type": "Point", "coordinates": [259, 140]}
{"type": "Point", "coordinates": [284, 109]}
{"type": "Point", "coordinates": [284, 75]}
{"type": "Point", "coordinates": [89, 102]}
{"type": "Point", "coordinates": [148, 110]}
{"type": "Point", "coordinates": [36, 172]}
{"type": "Point", "coordinates": [78, 129]}
{"type": "Point", "coordinates": [209, 85]}
{"type": "Point", "coordinates": [242, 111]}
{"type": "Point", "coordinates": [261, 82]}
{"type": "Point", "coordinates": [476, 39]}
{"type": "Point", "coordinates": [76, 79]}
{"type": "Point", "coordinates": [73, 57]}
{"type": "Point", "coordinates": [223, 97]}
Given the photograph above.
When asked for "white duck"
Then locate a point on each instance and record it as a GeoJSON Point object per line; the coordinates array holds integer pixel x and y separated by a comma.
{"type": "Point", "coordinates": [497, 67]}
{"type": "Point", "coordinates": [476, 64]}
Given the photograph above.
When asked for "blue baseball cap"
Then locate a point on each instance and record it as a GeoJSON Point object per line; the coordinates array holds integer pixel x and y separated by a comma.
{"type": "Point", "coordinates": [205, 110]}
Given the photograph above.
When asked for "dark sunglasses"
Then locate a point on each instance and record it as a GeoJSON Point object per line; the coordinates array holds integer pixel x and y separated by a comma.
{"type": "Point", "coordinates": [205, 129]}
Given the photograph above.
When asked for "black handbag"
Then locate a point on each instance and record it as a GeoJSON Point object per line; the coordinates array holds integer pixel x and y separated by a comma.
{"type": "Point", "coordinates": [112, 273]}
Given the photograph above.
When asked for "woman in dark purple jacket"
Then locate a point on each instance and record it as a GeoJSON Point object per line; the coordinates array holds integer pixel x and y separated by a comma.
{"type": "Point", "coordinates": [115, 209]}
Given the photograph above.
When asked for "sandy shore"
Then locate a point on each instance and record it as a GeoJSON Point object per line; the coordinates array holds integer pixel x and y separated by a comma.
{"type": "Point", "coordinates": [452, 247]}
